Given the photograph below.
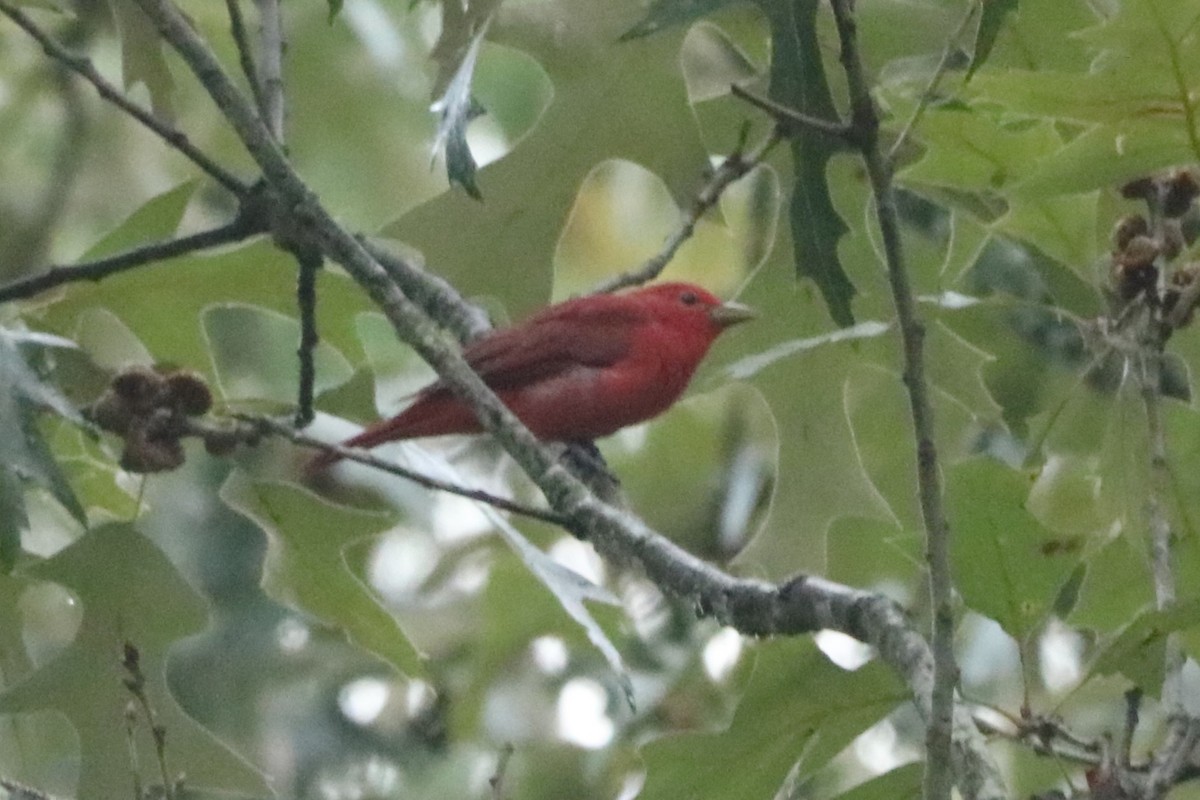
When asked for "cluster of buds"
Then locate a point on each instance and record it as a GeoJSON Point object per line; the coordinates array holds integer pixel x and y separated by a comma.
{"type": "Point", "coordinates": [151, 411]}
{"type": "Point", "coordinates": [1144, 247]}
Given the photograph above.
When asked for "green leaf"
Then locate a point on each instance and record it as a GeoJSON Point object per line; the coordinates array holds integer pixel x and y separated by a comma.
{"type": "Point", "coordinates": [456, 52]}
{"type": "Point", "coordinates": [969, 148]}
{"type": "Point", "coordinates": [1139, 651]}
{"type": "Point", "coordinates": [142, 59]}
{"type": "Point", "coordinates": [254, 354]}
{"type": "Point", "coordinates": [664, 14]}
{"type": "Point", "coordinates": [1006, 564]}
{"type": "Point", "coordinates": [156, 219]}
{"type": "Point", "coordinates": [1107, 156]}
{"type": "Point", "coordinates": [306, 566]}
{"type": "Point", "coordinates": [163, 305]}
{"type": "Point", "coordinates": [129, 593]}
{"type": "Point", "coordinates": [24, 453]}
{"type": "Point", "coordinates": [995, 13]}
{"type": "Point", "coordinates": [798, 81]}
{"type": "Point", "coordinates": [505, 247]}
{"type": "Point", "coordinates": [1063, 228]}
{"type": "Point", "coordinates": [796, 707]}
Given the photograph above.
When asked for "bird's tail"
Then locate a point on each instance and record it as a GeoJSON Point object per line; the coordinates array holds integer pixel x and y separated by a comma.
{"type": "Point", "coordinates": [434, 415]}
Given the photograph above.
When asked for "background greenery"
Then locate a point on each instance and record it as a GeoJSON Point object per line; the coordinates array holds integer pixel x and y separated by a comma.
{"type": "Point", "coordinates": [269, 619]}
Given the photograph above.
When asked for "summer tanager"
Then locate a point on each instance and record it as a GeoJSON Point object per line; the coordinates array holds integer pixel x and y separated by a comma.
{"type": "Point", "coordinates": [577, 370]}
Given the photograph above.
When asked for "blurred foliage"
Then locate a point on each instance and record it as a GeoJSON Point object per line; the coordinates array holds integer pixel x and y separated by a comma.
{"type": "Point", "coordinates": [381, 640]}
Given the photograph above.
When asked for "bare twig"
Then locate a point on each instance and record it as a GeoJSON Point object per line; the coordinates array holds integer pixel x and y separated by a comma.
{"type": "Point", "coordinates": [799, 606]}
{"type": "Point", "coordinates": [266, 425]}
{"type": "Point", "coordinates": [735, 166]}
{"type": "Point", "coordinates": [1171, 759]}
{"type": "Point", "coordinates": [237, 29]}
{"type": "Point", "coordinates": [135, 682]}
{"type": "Point", "coordinates": [792, 120]}
{"type": "Point", "coordinates": [1133, 705]}
{"type": "Point", "coordinates": [939, 777]}
{"type": "Point", "coordinates": [84, 68]}
{"type": "Point", "coordinates": [1045, 737]}
{"type": "Point", "coordinates": [241, 228]}
{"type": "Point", "coordinates": [940, 72]}
{"type": "Point", "coordinates": [270, 66]}
{"type": "Point", "coordinates": [309, 261]}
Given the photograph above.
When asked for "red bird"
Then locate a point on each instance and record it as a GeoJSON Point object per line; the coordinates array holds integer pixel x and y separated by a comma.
{"type": "Point", "coordinates": [578, 370]}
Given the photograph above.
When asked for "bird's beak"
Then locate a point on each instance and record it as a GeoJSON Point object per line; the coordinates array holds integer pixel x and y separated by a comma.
{"type": "Point", "coordinates": [730, 313]}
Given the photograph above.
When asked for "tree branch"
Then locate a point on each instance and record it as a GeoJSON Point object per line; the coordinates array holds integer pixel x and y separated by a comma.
{"type": "Point", "coordinates": [242, 227]}
{"type": "Point", "coordinates": [270, 67]}
{"type": "Point", "coordinates": [266, 426]}
{"type": "Point", "coordinates": [939, 779]}
{"type": "Point", "coordinates": [735, 166]}
{"type": "Point", "coordinates": [309, 262]}
{"type": "Point", "coordinates": [83, 67]}
{"type": "Point", "coordinates": [800, 606]}
{"type": "Point", "coordinates": [237, 29]}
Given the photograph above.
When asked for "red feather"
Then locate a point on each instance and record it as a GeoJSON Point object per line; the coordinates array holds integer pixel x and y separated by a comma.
{"type": "Point", "coordinates": [578, 370]}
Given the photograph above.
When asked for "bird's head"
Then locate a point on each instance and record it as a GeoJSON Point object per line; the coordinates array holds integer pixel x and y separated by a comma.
{"type": "Point", "coordinates": [690, 307]}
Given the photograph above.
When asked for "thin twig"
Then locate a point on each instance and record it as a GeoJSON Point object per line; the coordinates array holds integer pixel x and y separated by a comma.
{"type": "Point", "coordinates": [1133, 706]}
{"type": "Point", "coordinates": [270, 74]}
{"type": "Point", "coordinates": [135, 682]}
{"type": "Point", "coordinates": [939, 778]}
{"type": "Point", "coordinates": [735, 166]}
{"type": "Point", "coordinates": [1045, 738]}
{"type": "Point", "coordinates": [237, 29]}
{"type": "Point", "coordinates": [84, 68]}
{"type": "Point", "coordinates": [236, 231]}
{"type": "Point", "coordinates": [791, 119]}
{"type": "Point", "coordinates": [931, 88]}
{"type": "Point", "coordinates": [266, 425]}
{"type": "Point", "coordinates": [309, 261]}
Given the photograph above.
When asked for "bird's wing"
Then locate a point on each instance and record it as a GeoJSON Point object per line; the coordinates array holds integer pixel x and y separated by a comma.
{"type": "Point", "coordinates": [549, 345]}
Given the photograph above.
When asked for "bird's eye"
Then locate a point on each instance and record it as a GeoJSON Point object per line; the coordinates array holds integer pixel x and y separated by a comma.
{"type": "Point", "coordinates": [689, 298]}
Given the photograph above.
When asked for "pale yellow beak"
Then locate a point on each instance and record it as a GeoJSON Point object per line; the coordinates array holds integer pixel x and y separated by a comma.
{"type": "Point", "coordinates": [730, 313]}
